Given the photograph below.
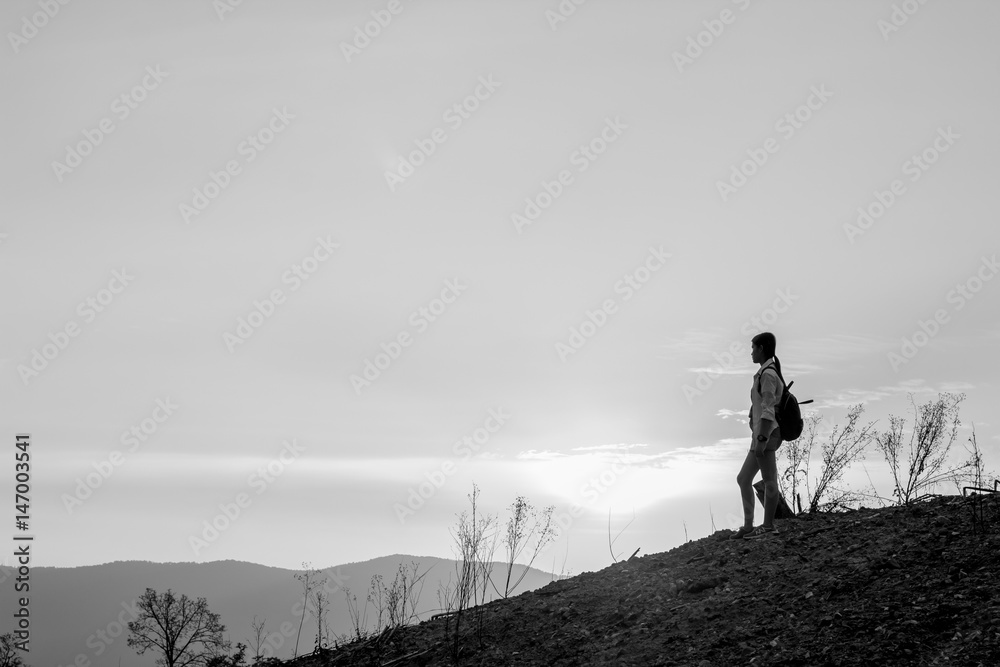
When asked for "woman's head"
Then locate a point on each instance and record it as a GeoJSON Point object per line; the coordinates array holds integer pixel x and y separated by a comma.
{"type": "Point", "coordinates": [763, 345]}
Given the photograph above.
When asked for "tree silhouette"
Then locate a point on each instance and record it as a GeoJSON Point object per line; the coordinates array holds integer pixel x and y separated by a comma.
{"type": "Point", "coordinates": [935, 427]}
{"type": "Point", "coordinates": [185, 632]}
{"type": "Point", "coordinates": [9, 653]}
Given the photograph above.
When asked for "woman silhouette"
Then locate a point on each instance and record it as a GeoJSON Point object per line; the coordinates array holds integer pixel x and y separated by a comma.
{"type": "Point", "coordinates": [764, 395]}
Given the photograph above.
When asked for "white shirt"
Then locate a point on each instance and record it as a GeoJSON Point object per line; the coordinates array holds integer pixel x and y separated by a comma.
{"type": "Point", "coordinates": [762, 405]}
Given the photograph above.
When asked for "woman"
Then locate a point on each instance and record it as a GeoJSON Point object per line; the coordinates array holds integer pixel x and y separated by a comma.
{"type": "Point", "coordinates": [764, 395]}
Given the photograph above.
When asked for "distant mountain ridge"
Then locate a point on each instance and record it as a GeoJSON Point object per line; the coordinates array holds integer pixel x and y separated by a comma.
{"type": "Point", "coordinates": [80, 614]}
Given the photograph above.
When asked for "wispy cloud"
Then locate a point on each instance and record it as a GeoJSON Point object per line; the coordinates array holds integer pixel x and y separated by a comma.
{"type": "Point", "coordinates": [618, 447]}
{"type": "Point", "coordinates": [718, 370]}
{"type": "Point", "coordinates": [916, 386]}
{"type": "Point", "coordinates": [622, 452]}
{"type": "Point", "coordinates": [694, 343]}
{"type": "Point", "coordinates": [725, 448]}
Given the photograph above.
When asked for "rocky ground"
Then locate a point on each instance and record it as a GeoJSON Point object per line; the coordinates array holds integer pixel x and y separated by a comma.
{"type": "Point", "coordinates": [913, 585]}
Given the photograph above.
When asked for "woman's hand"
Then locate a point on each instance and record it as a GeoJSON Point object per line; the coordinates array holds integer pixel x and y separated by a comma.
{"type": "Point", "coordinates": [764, 428]}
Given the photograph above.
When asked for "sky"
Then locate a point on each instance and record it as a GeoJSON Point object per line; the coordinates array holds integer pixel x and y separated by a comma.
{"type": "Point", "coordinates": [280, 290]}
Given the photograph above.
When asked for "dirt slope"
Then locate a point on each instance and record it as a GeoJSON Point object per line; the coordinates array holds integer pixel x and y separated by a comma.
{"type": "Point", "coordinates": [894, 586]}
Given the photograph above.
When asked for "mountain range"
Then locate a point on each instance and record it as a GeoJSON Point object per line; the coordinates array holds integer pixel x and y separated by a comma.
{"type": "Point", "coordinates": [79, 615]}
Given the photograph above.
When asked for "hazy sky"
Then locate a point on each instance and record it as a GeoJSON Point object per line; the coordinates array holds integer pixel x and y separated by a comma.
{"type": "Point", "coordinates": [549, 229]}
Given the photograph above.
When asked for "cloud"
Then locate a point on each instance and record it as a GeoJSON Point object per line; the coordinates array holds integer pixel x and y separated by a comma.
{"type": "Point", "coordinates": [916, 386]}
{"type": "Point", "coordinates": [618, 447]}
{"type": "Point", "coordinates": [719, 370]}
{"type": "Point", "coordinates": [545, 455]}
{"type": "Point", "coordinates": [693, 343]}
{"type": "Point", "coordinates": [620, 452]}
{"type": "Point", "coordinates": [720, 449]}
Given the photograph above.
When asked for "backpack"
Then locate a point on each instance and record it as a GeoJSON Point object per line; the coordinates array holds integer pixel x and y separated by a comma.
{"type": "Point", "coordinates": [786, 412]}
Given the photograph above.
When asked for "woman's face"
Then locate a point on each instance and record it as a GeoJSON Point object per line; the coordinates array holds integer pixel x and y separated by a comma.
{"type": "Point", "coordinates": [757, 353]}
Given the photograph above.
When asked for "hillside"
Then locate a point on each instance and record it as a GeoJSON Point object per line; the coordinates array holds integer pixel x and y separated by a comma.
{"type": "Point", "coordinates": [893, 586]}
{"type": "Point", "coordinates": [79, 612]}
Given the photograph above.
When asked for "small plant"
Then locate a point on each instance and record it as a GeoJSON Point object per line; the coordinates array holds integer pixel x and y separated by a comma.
{"type": "Point", "coordinates": [396, 604]}
{"type": "Point", "coordinates": [475, 537]}
{"type": "Point", "coordinates": [310, 580]}
{"type": "Point", "coordinates": [527, 528]}
{"type": "Point", "coordinates": [978, 485]}
{"type": "Point", "coordinates": [257, 642]}
{"type": "Point", "coordinates": [321, 602]}
{"type": "Point", "coordinates": [237, 659]}
{"type": "Point", "coordinates": [393, 606]}
{"type": "Point", "coordinates": [357, 616]}
{"type": "Point", "coordinates": [611, 542]}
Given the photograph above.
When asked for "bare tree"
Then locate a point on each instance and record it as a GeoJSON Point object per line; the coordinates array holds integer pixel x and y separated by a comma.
{"type": "Point", "coordinates": [9, 652]}
{"type": "Point", "coordinates": [184, 631]}
{"type": "Point", "coordinates": [935, 428]}
{"type": "Point", "coordinates": [309, 579]}
{"type": "Point", "coordinates": [842, 447]}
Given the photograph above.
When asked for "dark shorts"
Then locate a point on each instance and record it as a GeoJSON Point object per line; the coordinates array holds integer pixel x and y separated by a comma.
{"type": "Point", "coordinates": [773, 442]}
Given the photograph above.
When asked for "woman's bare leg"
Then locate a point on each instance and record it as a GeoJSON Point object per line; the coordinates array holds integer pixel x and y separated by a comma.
{"type": "Point", "coordinates": [745, 480]}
